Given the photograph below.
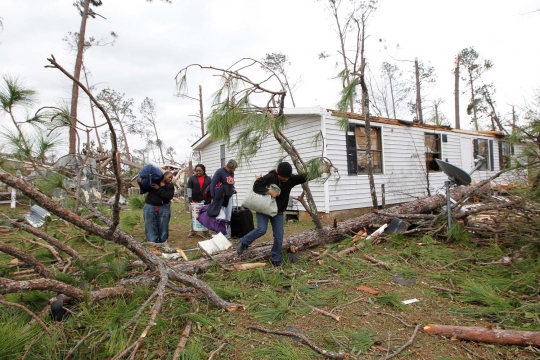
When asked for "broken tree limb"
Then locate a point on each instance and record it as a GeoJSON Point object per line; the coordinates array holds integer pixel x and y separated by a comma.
{"type": "Point", "coordinates": [407, 344]}
{"type": "Point", "coordinates": [482, 334]}
{"type": "Point", "coordinates": [27, 259]}
{"type": "Point", "coordinates": [328, 234]}
{"type": "Point", "coordinates": [335, 317]}
{"type": "Point", "coordinates": [303, 339]}
{"type": "Point", "coordinates": [114, 234]}
{"type": "Point", "coordinates": [376, 262]}
{"type": "Point", "coordinates": [48, 238]}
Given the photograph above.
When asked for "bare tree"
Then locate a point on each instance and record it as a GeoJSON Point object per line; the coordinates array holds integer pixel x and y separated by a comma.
{"type": "Point", "coordinates": [354, 72]}
{"type": "Point", "coordinates": [121, 113]}
{"type": "Point", "coordinates": [149, 118]}
{"type": "Point", "coordinates": [469, 60]}
{"type": "Point", "coordinates": [278, 63]}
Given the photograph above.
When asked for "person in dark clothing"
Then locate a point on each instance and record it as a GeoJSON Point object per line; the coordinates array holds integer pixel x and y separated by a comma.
{"type": "Point", "coordinates": [157, 210]}
{"type": "Point", "coordinates": [196, 186]}
{"type": "Point", "coordinates": [282, 177]}
{"type": "Point", "coordinates": [222, 190]}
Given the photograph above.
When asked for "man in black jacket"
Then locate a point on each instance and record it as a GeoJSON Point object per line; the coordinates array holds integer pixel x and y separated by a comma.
{"type": "Point", "coordinates": [157, 210]}
{"type": "Point", "coordinates": [282, 177]}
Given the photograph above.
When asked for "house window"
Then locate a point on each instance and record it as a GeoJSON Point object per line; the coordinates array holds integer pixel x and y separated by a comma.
{"type": "Point", "coordinates": [484, 148]}
{"type": "Point", "coordinates": [356, 150]}
{"type": "Point", "coordinates": [505, 152]}
{"type": "Point", "coordinates": [222, 154]}
{"type": "Point", "coordinates": [433, 151]}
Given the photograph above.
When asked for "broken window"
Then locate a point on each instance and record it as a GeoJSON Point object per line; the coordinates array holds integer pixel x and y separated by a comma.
{"type": "Point", "coordinates": [356, 150]}
{"type": "Point", "coordinates": [505, 152]}
{"type": "Point", "coordinates": [484, 148]}
{"type": "Point", "coordinates": [222, 154]}
{"type": "Point", "coordinates": [433, 151]}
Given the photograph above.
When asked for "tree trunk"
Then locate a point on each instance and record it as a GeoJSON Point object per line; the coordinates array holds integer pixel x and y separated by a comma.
{"type": "Point", "coordinates": [77, 75]}
{"type": "Point", "coordinates": [328, 234]}
{"type": "Point", "coordinates": [418, 97]}
{"type": "Point", "coordinates": [100, 147]}
{"type": "Point", "coordinates": [456, 92]}
{"type": "Point", "coordinates": [473, 103]}
{"type": "Point", "coordinates": [486, 335]}
{"type": "Point", "coordinates": [343, 53]}
{"type": "Point", "coordinates": [311, 207]}
{"type": "Point", "coordinates": [128, 155]}
{"type": "Point", "coordinates": [201, 110]}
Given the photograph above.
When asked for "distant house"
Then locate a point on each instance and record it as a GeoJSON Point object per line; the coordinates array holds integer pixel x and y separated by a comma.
{"type": "Point", "coordinates": [401, 153]}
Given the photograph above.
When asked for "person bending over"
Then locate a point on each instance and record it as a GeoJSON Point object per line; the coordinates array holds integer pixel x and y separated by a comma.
{"type": "Point", "coordinates": [282, 177]}
{"type": "Point", "coordinates": [157, 209]}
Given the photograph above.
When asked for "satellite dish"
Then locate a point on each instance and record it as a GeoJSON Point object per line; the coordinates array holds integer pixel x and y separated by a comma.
{"type": "Point", "coordinates": [455, 174]}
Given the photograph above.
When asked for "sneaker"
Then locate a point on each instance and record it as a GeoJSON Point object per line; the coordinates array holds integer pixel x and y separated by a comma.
{"type": "Point", "coordinates": [240, 248]}
{"type": "Point", "coordinates": [276, 263]}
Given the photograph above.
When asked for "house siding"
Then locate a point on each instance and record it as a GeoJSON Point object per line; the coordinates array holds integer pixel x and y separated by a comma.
{"type": "Point", "coordinates": [404, 160]}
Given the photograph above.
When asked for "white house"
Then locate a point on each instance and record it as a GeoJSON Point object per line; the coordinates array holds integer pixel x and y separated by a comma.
{"type": "Point", "coordinates": [401, 152]}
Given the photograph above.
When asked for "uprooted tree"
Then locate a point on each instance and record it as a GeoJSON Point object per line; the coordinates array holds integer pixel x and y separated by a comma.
{"type": "Point", "coordinates": [94, 223]}
{"type": "Point", "coordinates": [235, 108]}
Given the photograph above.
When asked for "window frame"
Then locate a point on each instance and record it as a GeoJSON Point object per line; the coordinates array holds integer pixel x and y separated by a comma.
{"type": "Point", "coordinates": [222, 154]}
{"type": "Point", "coordinates": [505, 159]}
{"type": "Point", "coordinates": [434, 167]}
{"type": "Point", "coordinates": [488, 165]}
{"type": "Point", "coordinates": [354, 151]}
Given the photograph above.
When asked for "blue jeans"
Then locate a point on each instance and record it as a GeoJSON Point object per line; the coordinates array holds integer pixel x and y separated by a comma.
{"type": "Point", "coordinates": [260, 230]}
{"type": "Point", "coordinates": [156, 222]}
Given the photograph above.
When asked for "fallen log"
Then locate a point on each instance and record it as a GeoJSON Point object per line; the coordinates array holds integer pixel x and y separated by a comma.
{"type": "Point", "coordinates": [486, 335]}
{"type": "Point", "coordinates": [328, 234]}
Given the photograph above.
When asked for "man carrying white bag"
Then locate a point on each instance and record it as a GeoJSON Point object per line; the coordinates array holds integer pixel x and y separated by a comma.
{"type": "Point", "coordinates": [269, 199]}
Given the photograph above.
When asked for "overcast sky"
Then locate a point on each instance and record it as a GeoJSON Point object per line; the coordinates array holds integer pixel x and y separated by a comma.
{"type": "Point", "coordinates": [156, 40]}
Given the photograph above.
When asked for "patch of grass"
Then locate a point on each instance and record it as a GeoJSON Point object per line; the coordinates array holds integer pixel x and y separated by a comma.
{"type": "Point", "coordinates": [130, 219]}
{"type": "Point", "coordinates": [492, 304]}
{"type": "Point", "coordinates": [252, 276]}
{"type": "Point", "coordinates": [282, 349]}
{"type": "Point", "coordinates": [136, 202]}
{"type": "Point", "coordinates": [457, 233]}
{"type": "Point", "coordinates": [357, 342]}
{"type": "Point", "coordinates": [14, 337]}
{"type": "Point", "coordinates": [270, 307]}
{"type": "Point", "coordinates": [391, 299]}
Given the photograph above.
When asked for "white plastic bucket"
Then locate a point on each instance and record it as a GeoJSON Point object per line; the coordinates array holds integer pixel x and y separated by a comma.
{"type": "Point", "coordinates": [194, 209]}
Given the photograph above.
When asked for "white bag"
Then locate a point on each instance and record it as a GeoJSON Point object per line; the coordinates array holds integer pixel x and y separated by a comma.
{"type": "Point", "coordinates": [264, 204]}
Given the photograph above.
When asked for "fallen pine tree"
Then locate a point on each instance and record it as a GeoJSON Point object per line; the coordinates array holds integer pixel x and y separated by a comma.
{"type": "Point", "coordinates": [328, 234]}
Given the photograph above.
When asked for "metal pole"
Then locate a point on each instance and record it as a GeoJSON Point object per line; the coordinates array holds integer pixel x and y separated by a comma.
{"type": "Point", "coordinates": [448, 204]}
{"type": "Point", "coordinates": [383, 197]}
{"type": "Point", "coordinates": [13, 198]}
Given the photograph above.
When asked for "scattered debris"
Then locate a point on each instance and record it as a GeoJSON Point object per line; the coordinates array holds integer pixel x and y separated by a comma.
{"type": "Point", "coordinates": [367, 289]}
{"type": "Point", "coordinates": [398, 278]}
{"type": "Point", "coordinates": [397, 226]}
{"type": "Point", "coordinates": [38, 216]}
{"type": "Point", "coordinates": [410, 301]}
{"type": "Point", "coordinates": [248, 266]}
{"type": "Point", "coordinates": [214, 245]}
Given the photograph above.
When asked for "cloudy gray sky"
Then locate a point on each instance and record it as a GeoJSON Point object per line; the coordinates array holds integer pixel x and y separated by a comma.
{"type": "Point", "coordinates": [156, 40]}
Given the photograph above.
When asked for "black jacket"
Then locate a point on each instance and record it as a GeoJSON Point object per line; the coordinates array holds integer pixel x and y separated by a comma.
{"type": "Point", "coordinates": [196, 191]}
{"type": "Point", "coordinates": [160, 196]}
{"type": "Point", "coordinates": [261, 187]}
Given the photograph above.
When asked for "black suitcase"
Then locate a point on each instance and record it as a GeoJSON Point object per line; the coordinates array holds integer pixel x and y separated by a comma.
{"type": "Point", "coordinates": [241, 221]}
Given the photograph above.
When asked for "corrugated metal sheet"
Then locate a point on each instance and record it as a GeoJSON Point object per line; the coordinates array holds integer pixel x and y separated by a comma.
{"type": "Point", "coordinates": [38, 216]}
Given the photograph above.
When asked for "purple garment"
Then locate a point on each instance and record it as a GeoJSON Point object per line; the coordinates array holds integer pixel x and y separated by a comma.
{"type": "Point", "coordinates": [212, 223]}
